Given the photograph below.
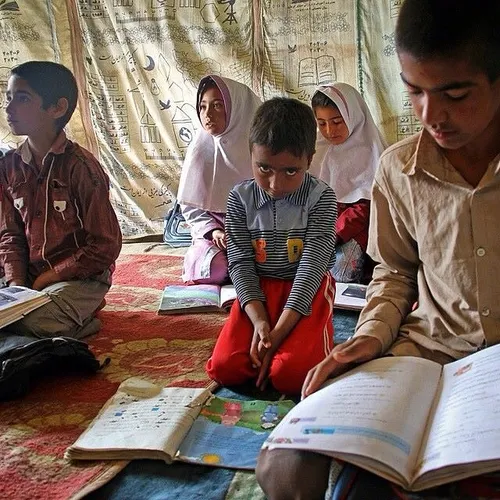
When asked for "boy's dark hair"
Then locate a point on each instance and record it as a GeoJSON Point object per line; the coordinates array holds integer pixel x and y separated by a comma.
{"type": "Point", "coordinates": [458, 29]}
{"type": "Point", "coordinates": [284, 124]}
{"type": "Point", "coordinates": [51, 81]}
{"type": "Point", "coordinates": [321, 100]}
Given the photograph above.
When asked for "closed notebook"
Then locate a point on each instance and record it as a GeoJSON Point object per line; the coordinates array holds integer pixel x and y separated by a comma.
{"type": "Point", "coordinates": [350, 296]}
{"type": "Point", "coordinates": [188, 299]}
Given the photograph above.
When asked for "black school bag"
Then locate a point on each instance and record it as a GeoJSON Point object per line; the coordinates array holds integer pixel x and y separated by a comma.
{"type": "Point", "coordinates": [24, 359]}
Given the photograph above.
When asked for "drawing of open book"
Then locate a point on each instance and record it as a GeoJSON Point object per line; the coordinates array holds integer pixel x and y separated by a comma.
{"type": "Point", "coordinates": [317, 71]}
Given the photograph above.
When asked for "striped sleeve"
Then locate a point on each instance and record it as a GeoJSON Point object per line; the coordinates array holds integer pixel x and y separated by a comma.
{"type": "Point", "coordinates": [318, 255]}
{"type": "Point", "coordinates": [240, 253]}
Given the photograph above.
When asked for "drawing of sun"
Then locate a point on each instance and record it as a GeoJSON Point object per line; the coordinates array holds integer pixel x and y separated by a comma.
{"type": "Point", "coordinates": [210, 459]}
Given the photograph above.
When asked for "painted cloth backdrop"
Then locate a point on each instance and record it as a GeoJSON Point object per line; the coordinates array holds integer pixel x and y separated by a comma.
{"type": "Point", "coordinates": [138, 63]}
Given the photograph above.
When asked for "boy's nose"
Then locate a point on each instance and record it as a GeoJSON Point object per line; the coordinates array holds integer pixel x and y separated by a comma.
{"type": "Point", "coordinates": [433, 112]}
{"type": "Point", "coordinates": [275, 183]}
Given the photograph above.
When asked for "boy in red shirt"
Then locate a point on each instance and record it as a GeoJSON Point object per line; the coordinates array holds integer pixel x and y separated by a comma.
{"type": "Point", "coordinates": [58, 230]}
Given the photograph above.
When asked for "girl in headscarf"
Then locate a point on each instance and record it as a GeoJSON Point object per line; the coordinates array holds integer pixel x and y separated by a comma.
{"type": "Point", "coordinates": [348, 148]}
{"type": "Point", "coordinates": [216, 160]}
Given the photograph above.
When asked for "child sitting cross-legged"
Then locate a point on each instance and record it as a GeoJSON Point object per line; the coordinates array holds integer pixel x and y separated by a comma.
{"type": "Point", "coordinates": [58, 230]}
{"type": "Point", "coordinates": [280, 229]}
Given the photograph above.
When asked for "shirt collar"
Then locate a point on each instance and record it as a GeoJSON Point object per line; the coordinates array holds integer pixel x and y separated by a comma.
{"type": "Point", "coordinates": [429, 157]}
{"type": "Point", "coordinates": [58, 147]}
{"type": "Point", "coordinates": [298, 197]}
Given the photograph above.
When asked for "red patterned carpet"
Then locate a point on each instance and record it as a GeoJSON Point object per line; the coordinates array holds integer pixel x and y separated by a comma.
{"type": "Point", "coordinates": [36, 430]}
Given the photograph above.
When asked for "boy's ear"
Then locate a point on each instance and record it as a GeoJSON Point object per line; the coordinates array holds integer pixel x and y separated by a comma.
{"type": "Point", "coordinates": [59, 108]}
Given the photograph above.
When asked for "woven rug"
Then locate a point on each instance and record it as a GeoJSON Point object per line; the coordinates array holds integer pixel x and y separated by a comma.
{"type": "Point", "coordinates": [172, 350]}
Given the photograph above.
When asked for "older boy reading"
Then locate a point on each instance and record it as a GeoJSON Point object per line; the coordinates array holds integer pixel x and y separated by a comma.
{"type": "Point", "coordinates": [434, 219]}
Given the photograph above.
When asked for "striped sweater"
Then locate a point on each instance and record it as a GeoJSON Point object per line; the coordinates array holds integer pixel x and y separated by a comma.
{"type": "Point", "coordinates": [292, 238]}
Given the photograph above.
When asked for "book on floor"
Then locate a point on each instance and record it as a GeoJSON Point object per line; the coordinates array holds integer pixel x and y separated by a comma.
{"type": "Point", "coordinates": [187, 299]}
{"type": "Point", "coordinates": [409, 420]}
{"type": "Point", "coordinates": [173, 423]}
{"type": "Point", "coordinates": [351, 296]}
{"type": "Point", "coordinates": [17, 301]}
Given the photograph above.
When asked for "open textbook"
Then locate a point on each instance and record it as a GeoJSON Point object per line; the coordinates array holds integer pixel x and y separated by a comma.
{"type": "Point", "coordinates": [173, 423]}
{"type": "Point", "coordinates": [350, 296]}
{"type": "Point", "coordinates": [184, 299]}
{"type": "Point", "coordinates": [407, 419]}
{"type": "Point", "coordinates": [17, 301]}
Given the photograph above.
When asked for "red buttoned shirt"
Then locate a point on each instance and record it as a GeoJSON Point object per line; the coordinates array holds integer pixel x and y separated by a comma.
{"type": "Point", "coordinates": [58, 216]}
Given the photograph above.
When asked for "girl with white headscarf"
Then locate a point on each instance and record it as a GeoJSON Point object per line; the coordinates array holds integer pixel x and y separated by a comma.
{"type": "Point", "coordinates": [216, 160]}
{"type": "Point", "coordinates": [348, 148]}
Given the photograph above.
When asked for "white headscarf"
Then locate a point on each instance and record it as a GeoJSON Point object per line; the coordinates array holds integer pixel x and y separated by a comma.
{"type": "Point", "coordinates": [215, 164]}
{"type": "Point", "coordinates": [349, 168]}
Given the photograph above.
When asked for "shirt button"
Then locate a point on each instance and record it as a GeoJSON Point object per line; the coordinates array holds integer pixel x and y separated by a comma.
{"type": "Point", "coordinates": [485, 311]}
{"type": "Point", "coordinates": [481, 252]}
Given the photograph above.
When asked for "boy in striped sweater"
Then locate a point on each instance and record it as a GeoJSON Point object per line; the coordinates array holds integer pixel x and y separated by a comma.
{"type": "Point", "coordinates": [280, 229]}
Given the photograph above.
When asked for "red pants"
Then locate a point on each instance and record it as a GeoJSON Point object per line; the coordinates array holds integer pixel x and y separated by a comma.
{"type": "Point", "coordinates": [305, 346]}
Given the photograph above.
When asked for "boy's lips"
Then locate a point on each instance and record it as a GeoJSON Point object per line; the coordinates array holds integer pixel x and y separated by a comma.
{"type": "Point", "coordinates": [442, 134]}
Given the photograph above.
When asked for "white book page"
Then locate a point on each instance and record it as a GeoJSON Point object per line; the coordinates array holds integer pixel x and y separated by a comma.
{"type": "Point", "coordinates": [350, 296]}
{"type": "Point", "coordinates": [227, 294]}
{"type": "Point", "coordinates": [130, 422]}
{"type": "Point", "coordinates": [466, 424]}
{"type": "Point", "coordinates": [377, 410]}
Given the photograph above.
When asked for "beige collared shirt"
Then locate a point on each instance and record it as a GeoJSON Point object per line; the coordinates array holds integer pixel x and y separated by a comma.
{"type": "Point", "coordinates": [437, 240]}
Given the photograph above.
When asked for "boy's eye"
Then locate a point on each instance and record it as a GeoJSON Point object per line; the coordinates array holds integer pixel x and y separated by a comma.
{"type": "Point", "coordinates": [456, 95]}
{"type": "Point", "coordinates": [290, 172]}
{"type": "Point", "coordinates": [264, 169]}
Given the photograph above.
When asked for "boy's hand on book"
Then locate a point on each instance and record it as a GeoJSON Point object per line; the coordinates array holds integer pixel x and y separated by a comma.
{"type": "Point", "coordinates": [45, 279]}
{"type": "Point", "coordinates": [219, 239]}
{"type": "Point", "coordinates": [342, 357]}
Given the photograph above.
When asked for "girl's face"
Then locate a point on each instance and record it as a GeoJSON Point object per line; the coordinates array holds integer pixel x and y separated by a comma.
{"type": "Point", "coordinates": [212, 111]}
{"type": "Point", "coordinates": [331, 124]}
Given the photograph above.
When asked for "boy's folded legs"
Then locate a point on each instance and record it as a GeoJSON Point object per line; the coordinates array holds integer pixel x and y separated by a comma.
{"type": "Point", "coordinates": [71, 313]}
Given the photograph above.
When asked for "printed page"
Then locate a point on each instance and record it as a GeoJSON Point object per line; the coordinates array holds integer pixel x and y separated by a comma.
{"type": "Point", "coordinates": [131, 422]}
{"type": "Point", "coordinates": [466, 423]}
{"type": "Point", "coordinates": [377, 410]}
{"type": "Point", "coordinates": [230, 432]}
{"type": "Point", "coordinates": [17, 301]}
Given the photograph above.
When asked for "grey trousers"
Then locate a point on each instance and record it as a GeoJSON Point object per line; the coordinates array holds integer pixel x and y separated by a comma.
{"type": "Point", "coordinates": [71, 313]}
